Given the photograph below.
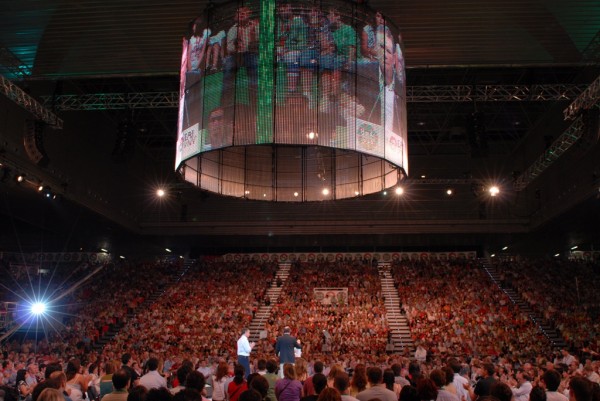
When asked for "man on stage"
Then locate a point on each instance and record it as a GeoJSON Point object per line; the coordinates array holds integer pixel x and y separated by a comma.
{"type": "Point", "coordinates": [243, 350]}
{"type": "Point", "coordinates": [284, 348]}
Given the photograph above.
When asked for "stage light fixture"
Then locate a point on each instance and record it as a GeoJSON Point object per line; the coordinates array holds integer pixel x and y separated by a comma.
{"type": "Point", "coordinates": [312, 135]}
{"type": "Point", "coordinates": [494, 190]}
{"type": "Point", "coordinates": [38, 308]}
{"type": "Point", "coordinates": [504, 248]}
{"type": "Point", "coordinates": [449, 192]}
{"type": "Point", "coordinates": [40, 188]}
{"type": "Point", "coordinates": [20, 178]}
{"type": "Point", "coordinates": [556, 255]}
{"type": "Point", "coordinates": [574, 247]}
{"type": "Point", "coordinates": [160, 192]}
{"type": "Point", "coordinates": [168, 250]}
{"type": "Point", "coordinates": [325, 191]}
{"type": "Point", "coordinates": [399, 191]}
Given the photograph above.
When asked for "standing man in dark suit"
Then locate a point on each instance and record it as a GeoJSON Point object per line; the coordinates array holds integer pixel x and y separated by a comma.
{"type": "Point", "coordinates": [284, 348]}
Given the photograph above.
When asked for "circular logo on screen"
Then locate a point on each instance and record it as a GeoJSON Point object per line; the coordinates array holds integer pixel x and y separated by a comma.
{"type": "Point", "coordinates": [367, 137]}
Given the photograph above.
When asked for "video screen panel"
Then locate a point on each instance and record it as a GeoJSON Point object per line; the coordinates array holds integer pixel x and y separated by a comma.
{"type": "Point", "coordinates": [330, 74]}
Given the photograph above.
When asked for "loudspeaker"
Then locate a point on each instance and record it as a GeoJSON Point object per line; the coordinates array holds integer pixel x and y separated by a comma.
{"type": "Point", "coordinates": [125, 143]}
{"type": "Point", "coordinates": [33, 141]}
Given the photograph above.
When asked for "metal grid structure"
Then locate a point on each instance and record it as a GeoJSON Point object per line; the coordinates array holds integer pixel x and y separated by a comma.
{"type": "Point", "coordinates": [586, 100]}
{"type": "Point", "coordinates": [557, 149]}
{"type": "Point", "coordinates": [414, 94]}
{"type": "Point", "coordinates": [10, 64]}
{"type": "Point", "coordinates": [492, 93]}
{"type": "Point", "coordinates": [17, 95]}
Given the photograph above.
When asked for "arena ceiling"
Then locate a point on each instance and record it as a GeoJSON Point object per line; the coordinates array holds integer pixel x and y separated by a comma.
{"type": "Point", "coordinates": [461, 56]}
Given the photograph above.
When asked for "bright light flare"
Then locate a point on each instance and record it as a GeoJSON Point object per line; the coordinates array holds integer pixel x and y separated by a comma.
{"type": "Point", "coordinates": [38, 308]}
{"type": "Point", "coordinates": [160, 192]}
{"type": "Point", "coordinates": [399, 191]}
{"type": "Point", "coordinates": [494, 191]}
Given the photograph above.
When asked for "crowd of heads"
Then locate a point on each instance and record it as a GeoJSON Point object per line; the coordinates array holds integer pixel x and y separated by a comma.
{"type": "Point", "coordinates": [187, 335]}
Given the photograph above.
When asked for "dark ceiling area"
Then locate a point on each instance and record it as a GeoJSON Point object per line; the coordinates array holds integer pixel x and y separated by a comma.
{"type": "Point", "coordinates": [519, 63]}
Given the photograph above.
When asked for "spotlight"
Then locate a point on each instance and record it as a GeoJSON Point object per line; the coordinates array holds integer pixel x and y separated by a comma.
{"type": "Point", "coordinates": [574, 247]}
{"type": "Point", "coordinates": [356, 193]}
{"type": "Point", "coordinates": [423, 176]}
{"type": "Point", "coordinates": [296, 194]}
{"type": "Point", "coordinates": [104, 250]}
{"type": "Point", "coordinates": [246, 192]}
{"type": "Point", "coordinates": [40, 188]}
{"type": "Point", "coordinates": [160, 192]}
{"type": "Point", "coordinates": [20, 178]}
{"type": "Point", "coordinates": [312, 135]}
{"type": "Point", "coordinates": [384, 193]}
{"type": "Point", "coordinates": [399, 191]}
{"type": "Point", "coordinates": [494, 191]}
{"type": "Point", "coordinates": [556, 255]}
{"type": "Point", "coordinates": [493, 255]}
{"type": "Point", "coordinates": [504, 248]}
{"type": "Point", "coordinates": [38, 308]}
{"type": "Point", "coordinates": [325, 191]}
{"type": "Point", "coordinates": [121, 257]}
{"type": "Point", "coordinates": [168, 250]}
{"type": "Point", "coordinates": [449, 192]}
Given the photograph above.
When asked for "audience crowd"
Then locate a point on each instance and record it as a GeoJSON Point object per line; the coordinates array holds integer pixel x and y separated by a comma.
{"type": "Point", "coordinates": [343, 328]}
{"type": "Point", "coordinates": [175, 334]}
{"type": "Point", "coordinates": [454, 308]}
{"type": "Point", "coordinates": [563, 293]}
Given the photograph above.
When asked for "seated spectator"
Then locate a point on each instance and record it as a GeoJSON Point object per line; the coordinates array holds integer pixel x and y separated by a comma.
{"type": "Point", "coordinates": [120, 380]}
{"type": "Point", "coordinates": [319, 382]}
{"type": "Point", "coordinates": [501, 391]}
{"type": "Point", "coordinates": [238, 385]}
{"type": "Point", "coordinates": [329, 394]}
{"type": "Point", "coordinates": [341, 383]}
{"type": "Point", "coordinates": [153, 379]}
{"type": "Point", "coordinates": [138, 393]}
{"type": "Point", "coordinates": [438, 377]}
{"type": "Point", "coordinates": [377, 388]}
{"type": "Point", "coordinates": [50, 394]}
{"type": "Point", "coordinates": [288, 388]}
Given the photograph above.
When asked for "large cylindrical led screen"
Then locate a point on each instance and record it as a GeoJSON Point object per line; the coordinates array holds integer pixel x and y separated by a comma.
{"type": "Point", "coordinates": [292, 74]}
